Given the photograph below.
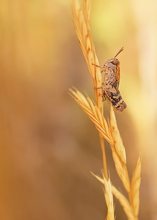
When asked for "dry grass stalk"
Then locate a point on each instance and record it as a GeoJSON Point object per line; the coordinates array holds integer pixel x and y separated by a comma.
{"type": "Point", "coordinates": [121, 198]}
{"type": "Point", "coordinates": [135, 188]}
{"type": "Point", "coordinates": [121, 169]}
{"type": "Point", "coordinates": [81, 15]}
{"type": "Point", "coordinates": [111, 134]}
{"type": "Point", "coordinates": [81, 21]}
{"type": "Point", "coordinates": [124, 203]}
{"type": "Point", "coordinates": [118, 152]}
{"type": "Point", "coordinates": [108, 196]}
{"type": "Point", "coordinates": [118, 143]}
{"type": "Point", "coordinates": [108, 131]}
{"type": "Point", "coordinates": [93, 112]}
{"type": "Point", "coordinates": [109, 199]}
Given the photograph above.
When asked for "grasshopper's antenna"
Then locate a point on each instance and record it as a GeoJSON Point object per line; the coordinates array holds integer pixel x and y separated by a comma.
{"type": "Point", "coordinates": [97, 65]}
{"type": "Point", "coordinates": [121, 49]}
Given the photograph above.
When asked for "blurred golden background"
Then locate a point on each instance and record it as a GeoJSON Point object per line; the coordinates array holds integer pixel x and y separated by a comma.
{"type": "Point", "coordinates": [47, 145]}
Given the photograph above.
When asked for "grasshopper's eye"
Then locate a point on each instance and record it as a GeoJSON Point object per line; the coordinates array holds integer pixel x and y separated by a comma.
{"type": "Point", "coordinates": [115, 62]}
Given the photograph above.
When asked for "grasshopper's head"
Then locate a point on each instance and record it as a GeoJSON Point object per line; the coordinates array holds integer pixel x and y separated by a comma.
{"type": "Point", "coordinates": [114, 61]}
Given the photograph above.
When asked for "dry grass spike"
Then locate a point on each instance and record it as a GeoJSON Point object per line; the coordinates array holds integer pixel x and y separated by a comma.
{"type": "Point", "coordinates": [81, 16]}
{"type": "Point", "coordinates": [107, 128]}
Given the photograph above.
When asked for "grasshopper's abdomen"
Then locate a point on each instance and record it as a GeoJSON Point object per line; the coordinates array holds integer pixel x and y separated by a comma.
{"type": "Point", "coordinates": [116, 100]}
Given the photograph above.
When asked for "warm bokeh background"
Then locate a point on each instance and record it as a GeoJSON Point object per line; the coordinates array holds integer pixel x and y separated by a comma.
{"type": "Point", "coordinates": [47, 145]}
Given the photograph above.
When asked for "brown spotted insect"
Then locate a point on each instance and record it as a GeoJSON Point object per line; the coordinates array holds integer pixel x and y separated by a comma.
{"type": "Point", "coordinates": [110, 82]}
